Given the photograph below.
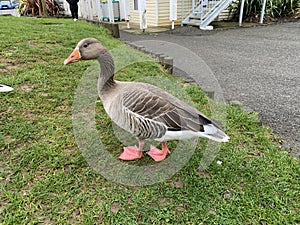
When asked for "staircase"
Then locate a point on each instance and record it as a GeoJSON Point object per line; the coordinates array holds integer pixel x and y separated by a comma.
{"type": "Point", "coordinates": [204, 12]}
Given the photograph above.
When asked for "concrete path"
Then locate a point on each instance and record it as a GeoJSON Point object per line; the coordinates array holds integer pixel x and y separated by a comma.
{"type": "Point", "coordinates": [258, 67]}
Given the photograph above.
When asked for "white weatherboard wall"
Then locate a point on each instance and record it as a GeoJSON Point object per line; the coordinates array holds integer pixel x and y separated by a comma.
{"type": "Point", "coordinates": [158, 11]}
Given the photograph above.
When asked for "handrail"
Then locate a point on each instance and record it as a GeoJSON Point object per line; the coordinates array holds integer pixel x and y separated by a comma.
{"type": "Point", "coordinates": [205, 10]}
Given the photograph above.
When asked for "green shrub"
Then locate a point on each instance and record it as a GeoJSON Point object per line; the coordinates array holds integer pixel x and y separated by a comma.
{"type": "Point", "coordinates": [274, 8]}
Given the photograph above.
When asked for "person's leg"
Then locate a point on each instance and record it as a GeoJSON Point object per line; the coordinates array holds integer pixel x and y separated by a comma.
{"type": "Point", "coordinates": [72, 8]}
{"type": "Point", "coordinates": [76, 11]}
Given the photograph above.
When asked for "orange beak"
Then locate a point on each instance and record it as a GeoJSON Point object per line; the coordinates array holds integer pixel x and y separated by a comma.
{"type": "Point", "coordinates": [74, 57]}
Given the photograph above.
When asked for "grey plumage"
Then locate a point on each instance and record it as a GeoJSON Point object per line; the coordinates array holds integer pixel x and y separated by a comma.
{"type": "Point", "coordinates": [144, 110]}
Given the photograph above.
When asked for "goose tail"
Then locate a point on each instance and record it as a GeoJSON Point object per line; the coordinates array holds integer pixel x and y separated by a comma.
{"type": "Point", "coordinates": [214, 133]}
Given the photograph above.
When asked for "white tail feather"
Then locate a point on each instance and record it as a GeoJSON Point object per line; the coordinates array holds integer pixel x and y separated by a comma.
{"type": "Point", "coordinates": [210, 132]}
{"type": "Point", "coordinates": [214, 133]}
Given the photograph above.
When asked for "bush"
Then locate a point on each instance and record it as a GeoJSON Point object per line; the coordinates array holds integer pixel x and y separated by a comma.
{"type": "Point", "coordinates": [274, 8]}
{"type": "Point", "coordinates": [35, 8]}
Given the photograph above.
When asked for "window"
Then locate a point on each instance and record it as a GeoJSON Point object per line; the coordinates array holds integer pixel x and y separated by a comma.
{"type": "Point", "coordinates": [136, 4]}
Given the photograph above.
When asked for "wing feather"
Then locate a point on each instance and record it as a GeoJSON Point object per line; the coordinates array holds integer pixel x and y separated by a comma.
{"type": "Point", "coordinates": [153, 109]}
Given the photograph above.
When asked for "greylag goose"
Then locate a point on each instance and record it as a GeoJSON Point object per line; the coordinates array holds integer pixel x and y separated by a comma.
{"type": "Point", "coordinates": [144, 110]}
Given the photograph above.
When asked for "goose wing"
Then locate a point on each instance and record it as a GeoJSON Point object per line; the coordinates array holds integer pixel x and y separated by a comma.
{"type": "Point", "coordinates": [156, 111]}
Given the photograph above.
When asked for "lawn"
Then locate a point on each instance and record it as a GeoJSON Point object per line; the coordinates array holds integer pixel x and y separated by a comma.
{"type": "Point", "coordinates": [46, 179]}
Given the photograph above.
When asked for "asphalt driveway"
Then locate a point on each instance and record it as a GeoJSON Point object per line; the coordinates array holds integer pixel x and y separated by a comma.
{"type": "Point", "coordinates": [258, 67]}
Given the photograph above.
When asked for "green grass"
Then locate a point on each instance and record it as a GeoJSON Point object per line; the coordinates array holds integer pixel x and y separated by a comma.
{"type": "Point", "coordinates": [44, 179]}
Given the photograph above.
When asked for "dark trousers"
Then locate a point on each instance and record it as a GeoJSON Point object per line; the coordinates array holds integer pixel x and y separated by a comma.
{"type": "Point", "coordinates": [74, 10]}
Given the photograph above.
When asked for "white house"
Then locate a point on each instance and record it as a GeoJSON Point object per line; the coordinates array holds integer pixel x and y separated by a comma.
{"type": "Point", "coordinates": [153, 13]}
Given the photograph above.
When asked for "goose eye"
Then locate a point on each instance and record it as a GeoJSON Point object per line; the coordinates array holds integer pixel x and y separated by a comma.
{"type": "Point", "coordinates": [85, 45]}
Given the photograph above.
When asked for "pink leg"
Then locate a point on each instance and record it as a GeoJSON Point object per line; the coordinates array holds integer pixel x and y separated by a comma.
{"type": "Point", "coordinates": [159, 155]}
{"type": "Point", "coordinates": [132, 152]}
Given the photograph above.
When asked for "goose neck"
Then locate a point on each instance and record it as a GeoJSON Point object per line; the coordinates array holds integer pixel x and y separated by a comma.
{"type": "Point", "coordinates": [107, 67]}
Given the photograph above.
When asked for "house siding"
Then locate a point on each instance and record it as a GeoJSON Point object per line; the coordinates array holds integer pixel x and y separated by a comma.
{"type": "Point", "coordinates": [163, 17]}
{"type": "Point", "coordinates": [187, 6]}
{"type": "Point", "coordinates": [150, 14]}
{"type": "Point", "coordinates": [224, 15]}
{"type": "Point", "coordinates": [134, 14]}
{"type": "Point", "coordinates": [163, 12]}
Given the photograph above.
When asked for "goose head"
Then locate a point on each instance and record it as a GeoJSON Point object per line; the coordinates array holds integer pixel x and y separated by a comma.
{"type": "Point", "coordinates": [87, 49]}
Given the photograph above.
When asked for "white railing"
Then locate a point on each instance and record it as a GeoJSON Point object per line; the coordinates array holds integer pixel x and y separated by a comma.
{"type": "Point", "coordinates": [204, 12]}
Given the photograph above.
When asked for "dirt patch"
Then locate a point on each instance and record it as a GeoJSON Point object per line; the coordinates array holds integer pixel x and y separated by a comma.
{"type": "Point", "coordinates": [31, 116]}
{"type": "Point", "coordinates": [32, 44]}
{"type": "Point", "coordinates": [8, 65]}
{"type": "Point", "coordinates": [26, 88]}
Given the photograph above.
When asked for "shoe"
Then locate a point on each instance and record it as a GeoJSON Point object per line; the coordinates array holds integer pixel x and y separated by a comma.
{"type": "Point", "coordinates": [75, 19]}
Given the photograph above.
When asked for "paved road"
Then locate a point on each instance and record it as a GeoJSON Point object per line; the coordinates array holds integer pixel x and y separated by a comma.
{"type": "Point", "coordinates": [258, 66]}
